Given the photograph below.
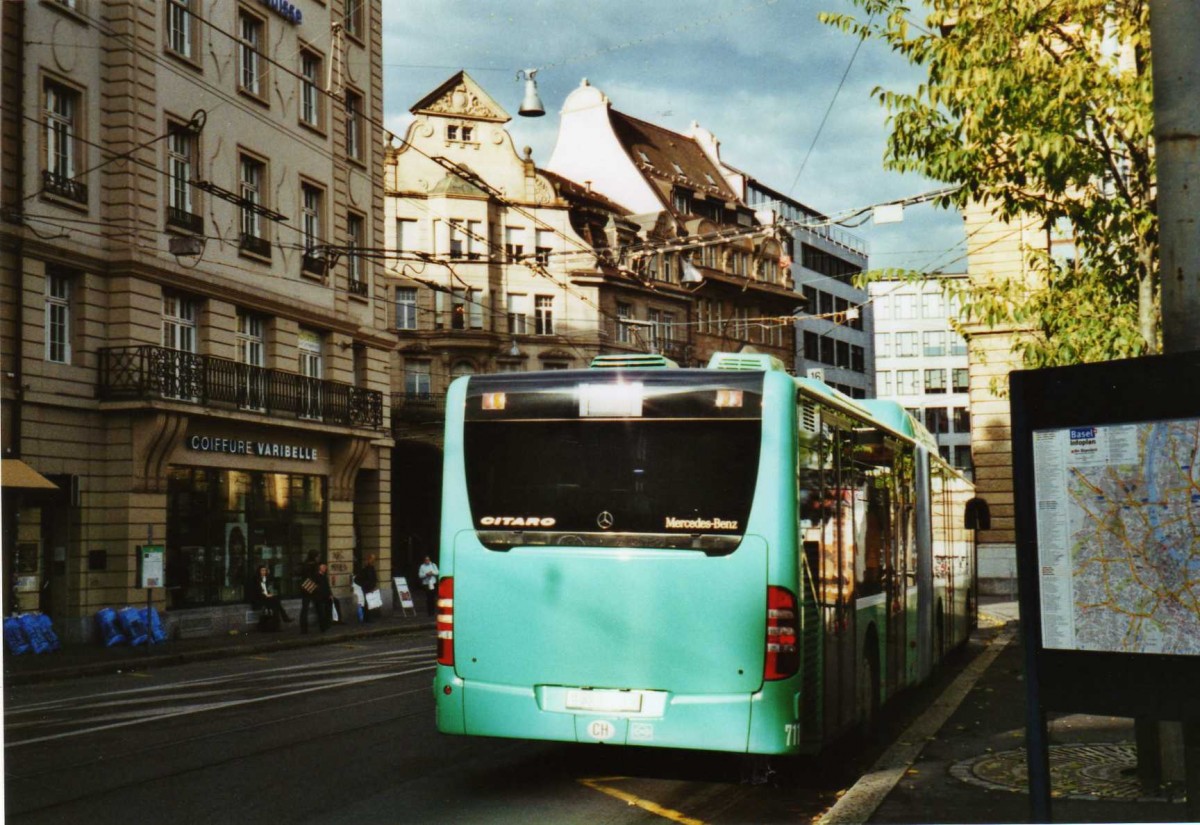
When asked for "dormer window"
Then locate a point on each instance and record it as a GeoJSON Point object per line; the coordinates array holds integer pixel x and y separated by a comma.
{"type": "Point", "coordinates": [681, 199]}
{"type": "Point", "coordinates": [645, 158]}
{"type": "Point", "coordinates": [677, 167]}
{"type": "Point", "coordinates": [709, 178]}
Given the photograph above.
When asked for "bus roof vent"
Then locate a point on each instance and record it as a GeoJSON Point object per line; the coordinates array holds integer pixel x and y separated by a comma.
{"type": "Point", "coordinates": [758, 361]}
{"type": "Point", "coordinates": [632, 361]}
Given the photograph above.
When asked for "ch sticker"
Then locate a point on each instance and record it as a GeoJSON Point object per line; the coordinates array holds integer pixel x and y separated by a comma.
{"type": "Point", "coordinates": [602, 730]}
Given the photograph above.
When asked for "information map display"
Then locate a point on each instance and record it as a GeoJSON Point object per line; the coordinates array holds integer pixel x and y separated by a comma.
{"type": "Point", "coordinates": [1118, 536]}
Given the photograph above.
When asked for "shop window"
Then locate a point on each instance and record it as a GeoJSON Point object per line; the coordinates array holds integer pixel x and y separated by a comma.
{"type": "Point", "coordinates": [221, 524]}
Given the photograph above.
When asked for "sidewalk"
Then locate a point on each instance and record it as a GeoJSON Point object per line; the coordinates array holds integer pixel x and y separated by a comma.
{"type": "Point", "coordinates": [971, 767]}
{"type": "Point", "coordinates": [83, 659]}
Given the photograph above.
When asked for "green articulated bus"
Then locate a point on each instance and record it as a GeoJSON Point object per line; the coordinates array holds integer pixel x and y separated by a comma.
{"type": "Point", "coordinates": [727, 559]}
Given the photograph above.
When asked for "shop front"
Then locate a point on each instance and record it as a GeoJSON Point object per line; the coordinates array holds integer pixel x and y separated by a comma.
{"type": "Point", "coordinates": [222, 524]}
{"type": "Point", "coordinates": [236, 500]}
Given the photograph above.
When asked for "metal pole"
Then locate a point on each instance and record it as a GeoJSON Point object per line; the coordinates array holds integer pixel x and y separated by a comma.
{"type": "Point", "coordinates": [1174, 33]}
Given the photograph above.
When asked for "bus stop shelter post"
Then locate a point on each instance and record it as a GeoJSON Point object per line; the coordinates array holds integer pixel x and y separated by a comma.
{"type": "Point", "coordinates": [1191, 768]}
{"type": "Point", "coordinates": [1037, 736]}
{"type": "Point", "coordinates": [1174, 29]}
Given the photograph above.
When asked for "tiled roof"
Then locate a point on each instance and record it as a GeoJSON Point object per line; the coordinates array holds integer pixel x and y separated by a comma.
{"type": "Point", "coordinates": [667, 157]}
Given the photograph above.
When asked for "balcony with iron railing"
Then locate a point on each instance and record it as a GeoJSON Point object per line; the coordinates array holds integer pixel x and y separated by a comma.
{"type": "Point", "coordinates": [417, 408]}
{"type": "Point", "coordinates": [149, 373]}
{"type": "Point", "coordinates": [182, 219]}
{"type": "Point", "coordinates": [255, 245]}
{"type": "Point", "coordinates": [64, 187]}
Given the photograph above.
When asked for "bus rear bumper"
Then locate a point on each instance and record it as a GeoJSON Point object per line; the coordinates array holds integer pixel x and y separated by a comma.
{"type": "Point", "coordinates": [707, 722]}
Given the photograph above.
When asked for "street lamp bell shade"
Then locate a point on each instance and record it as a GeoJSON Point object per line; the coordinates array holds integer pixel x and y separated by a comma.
{"type": "Point", "coordinates": [691, 275]}
{"type": "Point", "coordinates": [531, 105]}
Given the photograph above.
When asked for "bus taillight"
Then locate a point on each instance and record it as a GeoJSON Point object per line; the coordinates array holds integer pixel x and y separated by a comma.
{"type": "Point", "coordinates": [783, 652]}
{"type": "Point", "coordinates": [445, 621]}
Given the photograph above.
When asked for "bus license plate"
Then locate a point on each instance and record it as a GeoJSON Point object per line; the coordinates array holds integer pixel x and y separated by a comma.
{"type": "Point", "coordinates": [606, 701]}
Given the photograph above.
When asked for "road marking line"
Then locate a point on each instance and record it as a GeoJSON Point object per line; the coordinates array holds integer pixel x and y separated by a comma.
{"type": "Point", "coordinates": [644, 804]}
{"type": "Point", "coordinates": [861, 801]}
{"type": "Point", "coordinates": [215, 706]}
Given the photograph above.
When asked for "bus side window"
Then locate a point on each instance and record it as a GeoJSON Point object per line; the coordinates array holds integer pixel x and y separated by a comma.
{"type": "Point", "coordinates": [903, 502]}
{"type": "Point", "coordinates": [819, 511]}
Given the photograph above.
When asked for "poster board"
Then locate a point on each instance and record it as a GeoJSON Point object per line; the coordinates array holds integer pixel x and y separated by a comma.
{"type": "Point", "coordinates": [404, 595]}
{"type": "Point", "coordinates": [1105, 462]}
{"type": "Point", "coordinates": [151, 566]}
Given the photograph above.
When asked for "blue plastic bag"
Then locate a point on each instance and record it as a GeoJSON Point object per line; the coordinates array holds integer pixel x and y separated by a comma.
{"type": "Point", "coordinates": [14, 637]}
{"type": "Point", "coordinates": [154, 625]}
{"type": "Point", "coordinates": [110, 631]}
{"type": "Point", "coordinates": [48, 631]}
{"type": "Point", "coordinates": [33, 632]}
{"type": "Point", "coordinates": [133, 625]}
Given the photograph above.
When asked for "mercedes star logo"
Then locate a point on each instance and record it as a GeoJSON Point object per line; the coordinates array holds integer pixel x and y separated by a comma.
{"type": "Point", "coordinates": [605, 520]}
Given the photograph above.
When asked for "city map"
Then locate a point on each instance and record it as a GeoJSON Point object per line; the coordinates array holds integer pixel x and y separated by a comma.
{"type": "Point", "coordinates": [1118, 518]}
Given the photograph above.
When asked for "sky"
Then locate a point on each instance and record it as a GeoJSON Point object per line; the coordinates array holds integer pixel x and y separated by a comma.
{"type": "Point", "coordinates": [759, 74]}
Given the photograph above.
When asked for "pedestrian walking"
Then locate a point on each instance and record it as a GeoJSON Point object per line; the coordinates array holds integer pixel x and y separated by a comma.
{"type": "Point", "coordinates": [428, 574]}
{"type": "Point", "coordinates": [323, 596]}
{"type": "Point", "coordinates": [368, 580]}
{"type": "Point", "coordinates": [308, 587]}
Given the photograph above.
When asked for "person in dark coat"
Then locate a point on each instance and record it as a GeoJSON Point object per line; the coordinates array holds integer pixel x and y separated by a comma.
{"type": "Point", "coordinates": [264, 595]}
{"type": "Point", "coordinates": [323, 597]}
{"type": "Point", "coordinates": [308, 573]}
{"type": "Point", "coordinates": [368, 580]}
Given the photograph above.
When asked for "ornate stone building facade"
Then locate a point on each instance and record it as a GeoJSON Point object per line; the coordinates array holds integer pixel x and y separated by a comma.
{"type": "Point", "coordinates": [496, 264]}
{"type": "Point", "coordinates": [195, 353]}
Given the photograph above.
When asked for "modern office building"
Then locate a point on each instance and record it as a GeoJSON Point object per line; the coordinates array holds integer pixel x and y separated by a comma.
{"type": "Point", "coordinates": [834, 328]}
{"type": "Point", "coordinates": [921, 360]}
{"type": "Point", "coordinates": [195, 353]}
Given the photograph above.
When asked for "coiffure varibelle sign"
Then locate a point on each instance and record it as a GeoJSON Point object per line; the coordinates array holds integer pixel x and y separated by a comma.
{"type": "Point", "coordinates": [251, 447]}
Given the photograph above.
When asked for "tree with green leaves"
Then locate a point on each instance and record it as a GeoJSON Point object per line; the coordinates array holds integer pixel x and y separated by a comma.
{"type": "Point", "coordinates": [1041, 110]}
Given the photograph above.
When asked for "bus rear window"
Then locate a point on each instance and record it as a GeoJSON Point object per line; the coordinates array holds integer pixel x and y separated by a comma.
{"type": "Point", "coordinates": [633, 482]}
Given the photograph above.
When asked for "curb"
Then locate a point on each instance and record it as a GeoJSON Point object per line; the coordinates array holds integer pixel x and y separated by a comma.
{"type": "Point", "coordinates": [130, 663]}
